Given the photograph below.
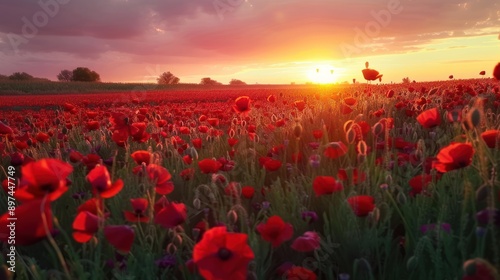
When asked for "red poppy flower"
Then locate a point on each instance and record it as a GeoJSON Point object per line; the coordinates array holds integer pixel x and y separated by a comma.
{"type": "Point", "coordinates": [85, 226]}
{"type": "Point", "coordinates": [335, 150]}
{"type": "Point", "coordinates": [231, 189]}
{"type": "Point", "coordinates": [141, 157]}
{"type": "Point", "coordinates": [496, 71]}
{"type": "Point", "coordinates": [271, 98]}
{"type": "Point", "coordinates": [429, 118]}
{"type": "Point", "coordinates": [345, 109]}
{"type": "Point", "coordinates": [140, 135]}
{"type": "Point", "coordinates": [350, 101]}
{"type": "Point", "coordinates": [187, 174]}
{"type": "Point", "coordinates": [275, 230]}
{"type": "Point", "coordinates": [209, 165]}
{"type": "Point", "coordinates": [362, 205]}
{"type": "Point", "coordinates": [213, 121]}
{"type": "Point", "coordinates": [491, 138]}
{"type": "Point", "coordinates": [272, 165]}
{"type": "Point", "coordinates": [91, 161]}
{"type": "Point", "coordinates": [203, 128]}
{"type": "Point", "coordinates": [299, 272]}
{"type": "Point", "coordinates": [317, 133]}
{"type": "Point", "coordinates": [389, 93]}
{"type": "Point", "coordinates": [29, 225]}
{"type": "Point", "coordinates": [161, 177]}
{"type": "Point", "coordinates": [232, 141]}
{"type": "Point", "coordinates": [43, 177]}
{"type": "Point", "coordinates": [221, 255]}
{"type": "Point", "coordinates": [184, 130]}
{"type": "Point", "coordinates": [171, 215]}
{"type": "Point", "coordinates": [479, 269]}
{"type": "Point", "coordinates": [93, 205]}
{"type": "Point", "coordinates": [326, 185]}
{"type": "Point", "coordinates": [371, 74]}
{"type": "Point", "coordinates": [5, 129]}
{"type": "Point", "coordinates": [308, 242]}
{"type": "Point", "coordinates": [92, 125]}
{"type": "Point", "coordinates": [247, 192]}
{"type": "Point", "coordinates": [121, 237]}
{"type": "Point", "coordinates": [187, 159]}
{"type": "Point", "coordinates": [197, 143]}
{"type": "Point", "coordinates": [140, 206]}
{"type": "Point", "coordinates": [75, 156]}
{"type": "Point", "coordinates": [280, 123]}
{"type": "Point", "coordinates": [300, 105]}
{"type": "Point", "coordinates": [42, 137]}
{"type": "Point", "coordinates": [419, 183]}
{"type": "Point", "coordinates": [357, 176]}
{"type": "Point", "coordinates": [242, 105]}
{"type": "Point", "coordinates": [454, 156]}
{"type": "Point", "coordinates": [482, 73]}
{"type": "Point", "coordinates": [101, 182]}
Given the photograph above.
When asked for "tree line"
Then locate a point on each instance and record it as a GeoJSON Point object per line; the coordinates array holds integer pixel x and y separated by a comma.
{"type": "Point", "coordinates": [84, 74]}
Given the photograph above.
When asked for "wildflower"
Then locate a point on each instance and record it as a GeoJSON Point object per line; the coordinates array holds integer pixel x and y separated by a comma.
{"type": "Point", "coordinates": [275, 230]}
{"type": "Point", "coordinates": [222, 255]}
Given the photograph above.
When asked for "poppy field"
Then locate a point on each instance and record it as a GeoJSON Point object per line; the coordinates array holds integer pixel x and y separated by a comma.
{"type": "Point", "coordinates": [363, 181]}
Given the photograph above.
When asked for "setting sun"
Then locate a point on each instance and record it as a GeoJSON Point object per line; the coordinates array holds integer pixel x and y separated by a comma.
{"type": "Point", "coordinates": [323, 74]}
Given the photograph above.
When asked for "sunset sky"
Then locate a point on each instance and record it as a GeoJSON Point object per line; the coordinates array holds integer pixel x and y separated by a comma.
{"type": "Point", "coordinates": [257, 41]}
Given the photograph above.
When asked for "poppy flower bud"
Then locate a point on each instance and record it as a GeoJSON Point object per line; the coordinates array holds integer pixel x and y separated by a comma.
{"type": "Point", "coordinates": [171, 248]}
{"type": "Point", "coordinates": [374, 216]}
{"type": "Point", "coordinates": [351, 136]}
{"type": "Point", "coordinates": [401, 198]}
{"type": "Point", "coordinates": [388, 179]}
{"type": "Point", "coordinates": [197, 203]}
{"type": "Point", "coordinates": [232, 217]}
{"type": "Point", "coordinates": [297, 131]}
{"type": "Point", "coordinates": [412, 263]}
{"type": "Point", "coordinates": [482, 193]}
{"type": "Point", "coordinates": [178, 240]}
{"type": "Point", "coordinates": [347, 125]}
{"type": "Point", "coordinates": [362, 148]}
{"type": "Point", "coordinates": [378, 129]}
{"type": "Point", "coordinates": [474, 117]}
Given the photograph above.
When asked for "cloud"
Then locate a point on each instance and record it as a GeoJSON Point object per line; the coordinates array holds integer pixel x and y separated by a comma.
{"type": "Point", "coordinates": [253, 31]}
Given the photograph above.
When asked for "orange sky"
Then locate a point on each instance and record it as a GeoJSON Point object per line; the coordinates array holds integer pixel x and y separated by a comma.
{"type": "Point", "coordinates": [257, 41]}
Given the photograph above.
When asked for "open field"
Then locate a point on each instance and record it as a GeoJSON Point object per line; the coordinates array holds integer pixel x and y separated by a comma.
{"type": "Point", "coordinates": [319, 182]}
{"type": "Point", "coordinates": [19, 88]}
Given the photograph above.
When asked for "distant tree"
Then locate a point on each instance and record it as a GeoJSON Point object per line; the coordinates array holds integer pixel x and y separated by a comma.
{"type": "Point", "coordinates": [167, 78]}
{"type": "Point", "coordinates": [20, 76]}
{"type": "Point", "coordinates": [84, 74]}
{"type": "Point", "coordinates": [65, 76]}
{"type": "Point", "coordinates": [236, 82]}
{"type": "Point", "coordinates": [3, 78]}
{"type": "Point", "coordinates": [209, 82]}
{"type": "Point", "coordinates": [406, 80]}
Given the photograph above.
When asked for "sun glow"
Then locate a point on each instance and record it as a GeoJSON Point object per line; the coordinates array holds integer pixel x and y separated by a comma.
{"type": "Point", "coordinates": [324, 74]}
